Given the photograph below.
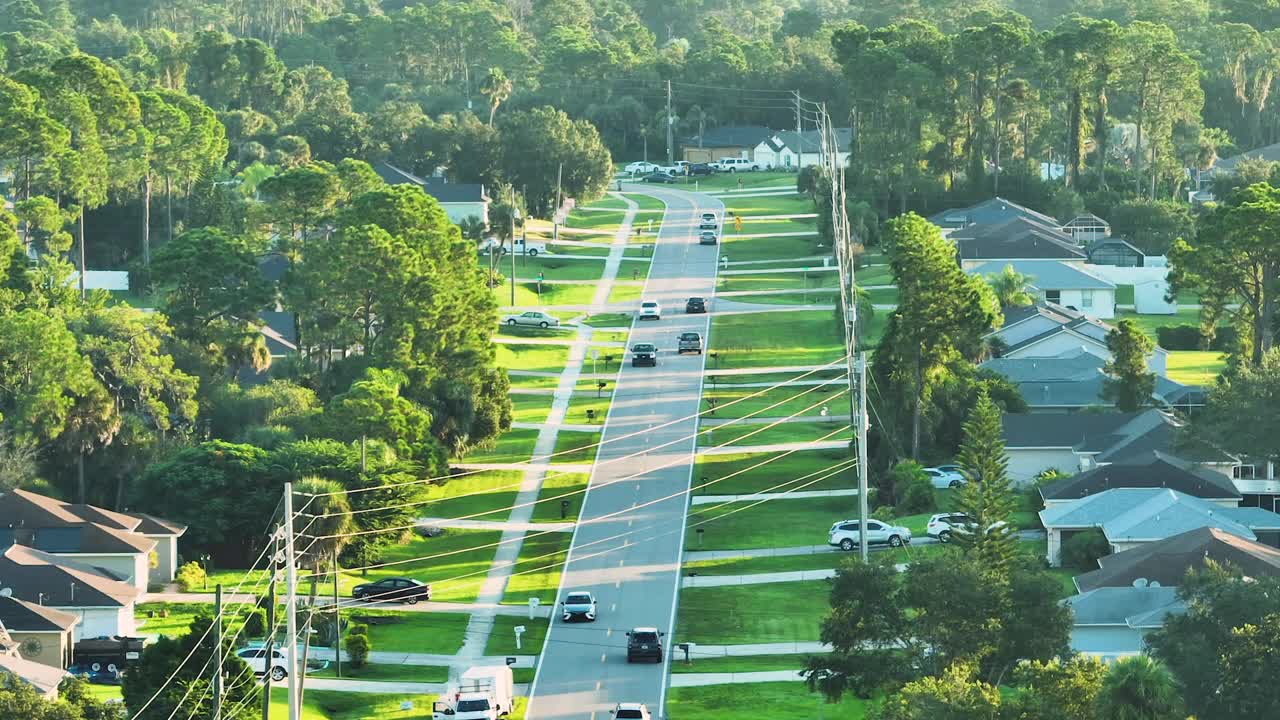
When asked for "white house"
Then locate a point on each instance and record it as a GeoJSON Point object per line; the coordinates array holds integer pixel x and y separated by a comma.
{"type": "Point", "coordinates": [790, 149]}
{"type": "Point", "coordinates": [460, 201]}
{"type": "Point", "coordinates": [1071, 286]}
{"type": "Point", "coordinates": [1045, 330]}
{"type": "Point", "coordinates": [103, 605]}
{"type": "Point", "coordinates": [1113, 622]}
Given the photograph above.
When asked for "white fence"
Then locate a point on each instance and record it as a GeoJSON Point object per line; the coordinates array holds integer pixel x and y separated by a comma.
{"type": "Point", "coordinates": [1150, 285]}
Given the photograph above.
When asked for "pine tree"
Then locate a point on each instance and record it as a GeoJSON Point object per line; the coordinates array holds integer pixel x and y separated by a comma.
{"type": "Point", "coordinates": [988, 498]}
{"type": "Point", "coordinates": [1129, 383]}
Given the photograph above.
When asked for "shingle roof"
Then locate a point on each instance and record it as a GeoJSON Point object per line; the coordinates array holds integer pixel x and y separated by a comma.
{"type": "Point", "coordinates": [22, 616]}
{"type": "Point", "coordinates": [55, 526]}
{"type": "Point", "coordinates": [1135, 607]}
{"type": "Point", "coordinates": [1271, 153]}
{"type": "Point", "coordinates": [1110, 242]}
{"type": "Point", "coordinates": [44, 678]}
{"type": "Point", "coordinates": [447, 192]}
{"type": "Point", "coordinates": [39, 577]}
{"type": "Point", "coordinates": [1077, 430]}
{"type": "Point", "coordinates": [809, 141]}
{"type": "Point", "coordinates": [990, 212]}
{"type": "Point", "coordinates": [280, 331]}
{"type": "Point", "coordinates": [1019, 238]}
{"type": "Point", "coordinates": [747, 136]}
{"type": "Point", "coordinates": [1166, 562]}
{"type": "Point", "coordinates": [1049, 275]}
{"type": "Point", "coordinates": [1068, 320]}
{"type": "Point", "coordinates": [1153, 469]}
{"type": "Point", "coordinates": [152, 525]}
{"type": "Point", "coordinates": [1149, 514]}
{"type": "Point", "coordinates": [393, 175]}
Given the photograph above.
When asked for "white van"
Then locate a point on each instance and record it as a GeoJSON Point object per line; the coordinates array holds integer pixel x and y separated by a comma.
{"type": "Point", "coordinates": [482, 693]}
{"type": "Point", "coordinates": [730, 164]}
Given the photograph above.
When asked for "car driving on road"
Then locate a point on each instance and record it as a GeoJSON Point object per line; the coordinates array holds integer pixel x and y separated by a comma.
{"type": "Point", "coordinates": [579, 605]}
{"type": "Point", "coordinates": [395, 588]}
{"type": "Point", "coordinates": [644, 643]}
{"type": "Point", "coordinates": [707, 237]}
{"type": "Point", "coordinates": [650, 310]}
{"type": "Point", "coordinates": [630, 711]}
{"type": "Point", "coordinates": [660, 177]}
{"type": "Point", "coordinates": [644, 354]}
{"type": "Point", "coordinates": [844, 534]}
{"type": "Point", "coordinates": [689, 342]}
{"type": "Point", "coordinates": [695, 305]}
{"type": "Point", "coordinates": [534, 318]}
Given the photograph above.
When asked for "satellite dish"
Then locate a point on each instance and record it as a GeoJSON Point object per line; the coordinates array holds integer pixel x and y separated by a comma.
{"type": "Point", "coordinates": [1140, 582]}
{"type": "Point", "coordinates": [1154, 583]}
{"type": "Point", "coordinates": [6, 592]}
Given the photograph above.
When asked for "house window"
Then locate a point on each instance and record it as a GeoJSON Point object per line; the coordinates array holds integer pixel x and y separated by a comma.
{"type": "Point", "coordinates": [1244, 472]}
{"type": "Point", "coordinates": [1086, 298]}
{"type": "Point", "coordinates": [1053, 296]}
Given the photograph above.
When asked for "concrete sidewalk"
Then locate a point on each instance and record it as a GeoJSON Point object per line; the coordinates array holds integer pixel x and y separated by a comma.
{"type": "Point", "coordinates": [760, 676]}
{"type": "Point", "coordinates": [543, 466]}
{"type": "Point", "coordinates": [774, 447]}
{"type": "Point", "coordinates": [789, 270]}
{"type": "Point", "coordinates": [383, 657]}
{"type": "Point", "coordinates": [562, 426]}
{"type": "Point", "coordinates": [835, 420]}
{"type": "Point", "coordinates": [791, 648]}
{"type": "Point", "coordinates": [694, 555]}
{"type": "Point", "coordinates": [433, 606]}
{"type": "Point", "coordinates": [798, 369]}
{"type": "Point", "coordinates": [757, 578]}
{"type": "Point", "coordinates": [744, 236]}
{"type": "Point", "coordinates": [570, 342]}
{"type": "Point", "coordinates": [741, 308]}
{"type": "Point", "coordinates": [811, 258]}
{"type": "Point", "coordinates": [503, 525]}
{"type": "Point", "coordinates": [798, 495]}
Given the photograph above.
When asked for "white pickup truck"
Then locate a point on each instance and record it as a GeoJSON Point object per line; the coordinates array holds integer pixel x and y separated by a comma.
{"type": "Point", "coordinates": [532, 249]}
{"type": "Point", "coordinates": [482, 693]}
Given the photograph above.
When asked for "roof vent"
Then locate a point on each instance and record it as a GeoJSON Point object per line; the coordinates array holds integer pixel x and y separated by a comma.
{"type": "Point", "coordinates": [1154, 583]}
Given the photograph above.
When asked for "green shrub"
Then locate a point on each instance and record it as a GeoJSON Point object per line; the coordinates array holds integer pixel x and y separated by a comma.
{"type": "Point", "coordinates": [358, 647]}
{"type": "Point", "coordinates": [191, 577]}
{"type": "Point", "coordinates": [917, 498]}
{"type": "Point", "coordinates": [255, 623]}
{"type": "Point", "coordinates": [1083, 549]}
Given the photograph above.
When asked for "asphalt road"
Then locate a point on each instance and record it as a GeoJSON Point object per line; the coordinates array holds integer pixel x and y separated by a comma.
{"type": "Point", "coordinates": [630, 557]}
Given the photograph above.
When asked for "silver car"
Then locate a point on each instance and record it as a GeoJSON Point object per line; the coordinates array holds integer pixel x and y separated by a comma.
{"type": "Point", "coordinates": [845, 535]}
{"type": "Point", "coordinates": [534, 318]}
{"type": "Point", "coordinates": [579, 605]}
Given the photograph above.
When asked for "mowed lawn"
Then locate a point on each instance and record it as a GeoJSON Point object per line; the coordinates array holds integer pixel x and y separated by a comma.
{"type": "Point", "coordinates": [530, 408]}
{"type": "Point", "coordinates": [537, 569]}
{"type": "Point", "coordinates": [454, 564]}
{"type": "Point", "coordinates": [513, 446]}
{"type": "Point", "coordinates": [778, 281]}
{"type": "Point", "coordinates": [767, 205]}
{"type": "Point", "coordinates": [775, 523]}
{"type": "Point", "coordinates": [769, 248]}
{"type": "Point", "coordinates": [738, 614]}
{"type": "Point", "coordinates": [808, 337]}
{"type": "Point", "coordinates": [733, 402]}
{"type": "Point", "coordinates": [770, 433]}
{"type": "Point", "coordinates": [745, 473]}
{"type": "Point", "coordinates": [1196, 367]}
{"type": "Point", "coordinates": [545, 358]}
{"type": "Point", "coordinates": [558, 487]}
{"type": "Point", "coordinates": [416, 632]}
{"type": "Point", "coordinates": [480, 496]}
{"type": "Point", "coordinates": [773, 700]}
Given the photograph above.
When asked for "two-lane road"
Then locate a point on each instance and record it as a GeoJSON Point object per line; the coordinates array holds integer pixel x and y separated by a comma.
{"type": "Point", "coordinates": [627, 546]}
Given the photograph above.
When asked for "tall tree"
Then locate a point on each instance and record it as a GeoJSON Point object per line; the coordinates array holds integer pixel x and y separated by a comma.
{"type": "Point", "coordinates": [174, 671]}
{"type": "Point", "coordinates": [955, 695]}
{"type": "Point", "coordinates": [1058, 689]}
{"type": "Point", "coordinates": [1250, 655]}
{"type": "Point", "coordinates": [496, 87]}
{"type": "Point", "coordinates": [168, 127]}
{"type": "Point", "coordinates": [1010, 287]}
{"type": "Point", "coordinates": [1129, 384]}
{"type": "Point", "coordinates": [43, 376]}
{"type": "Point", "coordinates": [987, 499]}
{"type": "Point", "coordinates": [543, 144]}
{"type": "Point", "coordinates": [1139, 688]}
{"type": "Point", "coordinates": [1237, 415]}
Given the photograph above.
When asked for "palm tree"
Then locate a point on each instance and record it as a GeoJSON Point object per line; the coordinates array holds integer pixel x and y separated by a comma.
{"type": "Point", "coordinates": [1011, 287]}
{"type": "Point", "coordinates": [697, 115]}
{"type": "Point", "coordinates": [1139, 688]}
{"type": "Point", "coordinates": [496, 87]}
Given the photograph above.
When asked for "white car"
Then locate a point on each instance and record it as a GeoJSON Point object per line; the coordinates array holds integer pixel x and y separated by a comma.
{"type": "Point", "coordinates": [729, 164]}
{"type": "Point", "coordinates": [944, 478]}
{"type": "Point", "coordinates": [533, 318]}
{"type": "Point", "coordinates": [630, 711]}
{"type": "Point", "coordinates": [640, 167]}
{"type": "Point", "coordinates": [256, 659]}
{"type": "Point", "coordinates": [671, 169]}
{"type": "Point", "coordinates": [650, 310]}
{"type": "Point", "coordinates": [579, 604]}
{"type": "Point", "coordinates": [845, 535]}
{"type": "Point", "coordinates": [944, 525]}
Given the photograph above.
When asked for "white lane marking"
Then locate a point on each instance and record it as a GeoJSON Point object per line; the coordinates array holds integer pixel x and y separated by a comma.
{"type": "Point", "coordinates": [601, 660]}
{"type": "Point", "coordinates": [609, 632]}
{"type": "Point", "coordinates": [617, 583]}
{"type": "Point", "coordinates": [613, 608]}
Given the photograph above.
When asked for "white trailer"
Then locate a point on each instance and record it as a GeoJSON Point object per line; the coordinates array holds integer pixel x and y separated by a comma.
{"type": "Point", "coordinates": [482, 693]}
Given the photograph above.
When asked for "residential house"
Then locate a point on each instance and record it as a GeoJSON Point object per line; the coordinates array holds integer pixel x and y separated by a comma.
{"type": "Point", "coordinates": [1165, 563]}
{"type": "Point", "coordinates": [1130, 517]}
{"type": "Point", "coordinates": [1046, 330]}
{"type": "Point", "coordinates": [1076, 442]}
{"type": "Point", "coordinates": [135, 548]}
{"type": "Point", "coordinates": [460, 201]}
{"type": "Point", "coordinates": [1073, 287]}
{"type": "Point", "coordinates": [103, 604]}
{"type": "Point", "coordinates": [794, 150]}
{"type": "Point", "coordinates": [1087, 228]}
{"type": "Point", "coordinates": [1115, 252]}
{"type": "Point", "coordinates": [1014, 240]}
{"type": "Point", "coordinates": [995, 211]}
{"type": "Point", "coordinates": [1074, 381]}
{"type": "Point", "coordinates": [45, 679]}
{"type": "Point", "coordinates": [1227, 166]}
{"type": "Point", "coordinates": [1151, 469]}
{"type": "Point", "coordinates": [1113, 622]}
{"type": "Point", "coordinates": [736, 141]}
{"type": "Point", "coordinates": [43, 634]}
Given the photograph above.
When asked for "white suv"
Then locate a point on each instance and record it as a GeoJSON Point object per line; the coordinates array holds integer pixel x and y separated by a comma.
{"type": "Point", "coordinates": [256, 659]}
{"type": "Point", "coordinates": [729, 164]}
{"type": "Point", "coordinates": [844, 534]}
{"type": "Point", "coordinates": [650, 310]}
{"type": "Point", "coordinates": [945, 525]}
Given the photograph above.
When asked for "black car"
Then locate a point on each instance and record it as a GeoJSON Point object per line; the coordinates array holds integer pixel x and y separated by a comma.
{"type": "Point", "coordinates": [700, 169]}
{"type": "Point", "coordinates": [644, 643]}
{"type": "Point", "coordinates": [695, 305]}
{"type": "Point", "coordinates": [644, 354]}
{"type": "Point", "coordinates": [660, 177]}
{"type": "Point", "coordinates": [396, 588]}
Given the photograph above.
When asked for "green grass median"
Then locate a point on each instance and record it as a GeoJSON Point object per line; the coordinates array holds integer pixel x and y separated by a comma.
{"type": "Point", "coordinates": [775, 523]}
{"type": "Point", "coordinates": [809, 337]}
{"type": "Point", "coordinates": [739, 614]}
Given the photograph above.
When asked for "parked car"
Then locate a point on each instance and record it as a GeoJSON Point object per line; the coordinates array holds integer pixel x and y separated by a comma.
{"type": "Point", "coordinates": [256, 659]}
{"type": "Point", "coordinates": [644, 643]}
{"type": "Point", "coordinates": [844, 534]}
{"type": "Point", "coordinates": [660, 177]}
{"type": "Point", "coordinates": [535, 318]}
{"type": "Point", "coordinates": [701, 169]}
{"type": "Point", "coordinates": [689, 342]}
{"type": "Point", "coordinates": [630, 711]}
{"type": "Point", "coordinates": [579, 605]}
{"type": "Point", "coordinates": [640, 167]}
{"type": "Point", "coordinates": [695, 305]}
{"type": "Point", "coordinates": [520, 246]}
{"type": "Point", "coordinates": [951, 468]}
{"type": "Point", "coordinates": [707, 237]}
{"type": "Point", "coordinates": [650, 310]}
{"type": "Point", "coordinates": [729, 164]}
{"type": "Point", "coordinates": [97, 674]}
{"type": "Point", "coordinates": [944, 526]}
{"type": "Point", "coordinates": [644, 354]}
{"type": "Point", "coordinates": [943, 479]}
{"type": "Point", "coordinates": [394, 588]}
{"type": "Point", "coordinates": [676, 169]}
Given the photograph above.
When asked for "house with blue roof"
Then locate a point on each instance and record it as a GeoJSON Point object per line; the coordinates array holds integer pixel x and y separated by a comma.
{"type": "Point", "coordinates": [1071, 286]}
{"type": "Point", "coordinates": [1074, 381]}
{"type": "Point", "coordinates": [1113, 622]}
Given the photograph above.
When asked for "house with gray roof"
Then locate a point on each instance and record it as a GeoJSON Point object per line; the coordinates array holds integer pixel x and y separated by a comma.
{"type": "Point", "coordinates": [1115, 252]}
{"type": "Point", "coordinates": [1019, 238]}
{"type": "Point", "coordinates": [1113, 622]}
{"type": "Point", "coordinates": [793, 150]}
{"type": "Point", "coordinates": [1071, 286]}
{"type": "Point", "coordinates": [1152, 469]}
{"type": "Point", "coordinates": [1130, 517]}
{"type": "Point", "coordinates": [724, 141]}
{"type": "Point", "coordinates": [102, 603]}
{"type": "Point", "coordinates": [1046, 330]}
{"type": "Point", "coordinates": [1227, 166]}
{"type": "Point", "coordinates": [1167, 562]}
{"type": "Point", "coordinates": [43, 634]}
{"type": "Point", "coordinates": [1076, 442]}
{"type": "Point", "coordinates": [990, 212]}
{"type": "Point", "coordinates": [43, 678]}
{"type": "Point", "coordinates": [1075, 382]}
{"type": "Point", "coordinates": [459, 200]}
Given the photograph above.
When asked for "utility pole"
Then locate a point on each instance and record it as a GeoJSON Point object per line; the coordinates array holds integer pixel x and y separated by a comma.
{"type": "Point", "coordinates": [291, 605]}
{"type": "Point", "coordinates": [337, 618]}
{"type": "Point", "coordinates": [796, 93]}
{"type": "Point", "coordinates": [861, 419]}
{"type": "Point", "coordinates": [555, 215]}
{"type": "Point", "coordinates": [217, 652]}
{"type": "Point", "coordinates": [271, 635]}
{"type": "Point", "coordinates": [670, 120]}
{"type": "Point", "coordinates": [512, 195]}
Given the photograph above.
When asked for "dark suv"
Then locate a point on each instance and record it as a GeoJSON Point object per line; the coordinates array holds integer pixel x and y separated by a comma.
{"type": "Point", "coordinates": [700, 169]}
{"type": "Point", "coordinates": [695, 305]}
{"type": "Point", "coordinates": [644, 354]}
{"type": "Point", "coordinates": [644, 643]}
{"type": "Point", "coordinates": [689, 342]}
